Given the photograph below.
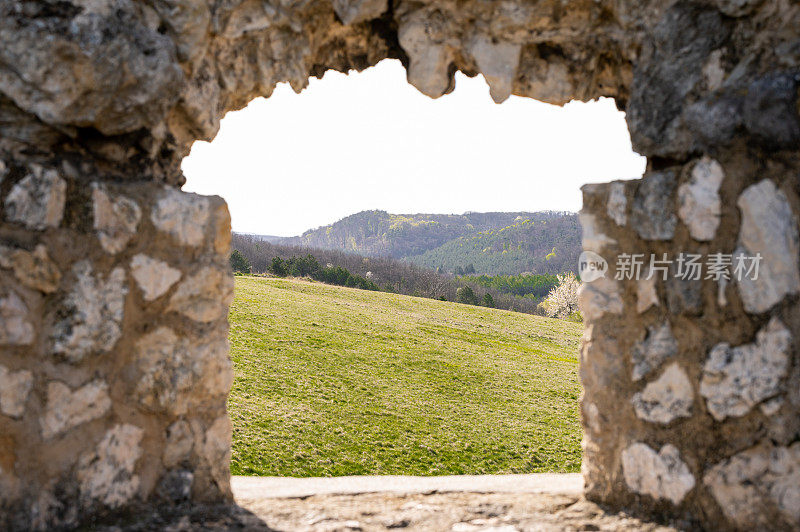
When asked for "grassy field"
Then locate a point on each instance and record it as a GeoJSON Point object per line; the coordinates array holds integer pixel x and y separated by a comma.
{"type": "Point", "coordinates": [337, 381]}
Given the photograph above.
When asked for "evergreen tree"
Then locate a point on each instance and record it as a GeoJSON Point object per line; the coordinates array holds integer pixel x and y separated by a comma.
{"type": "Point", "coordinates": [278, 267]}
{"type": "Point", "coordinates": [239, 262]}
{"type": "Point", "coordinates": [488, 300]}
{"type": "Point", "coordinates": [465, 295]}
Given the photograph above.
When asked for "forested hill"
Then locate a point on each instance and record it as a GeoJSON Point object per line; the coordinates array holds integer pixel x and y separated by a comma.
{"type": "Point", "coordinates": [532, 245]}
{"type": "Point", "coordinates": [379, 233]}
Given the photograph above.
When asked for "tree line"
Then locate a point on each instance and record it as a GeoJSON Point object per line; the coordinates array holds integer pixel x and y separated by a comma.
{"type": "Point", "coordinates": [381, 273]}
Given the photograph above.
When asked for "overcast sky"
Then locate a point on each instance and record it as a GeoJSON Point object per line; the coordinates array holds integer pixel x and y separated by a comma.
{"type": "Point", "coordinates": [370, 141]}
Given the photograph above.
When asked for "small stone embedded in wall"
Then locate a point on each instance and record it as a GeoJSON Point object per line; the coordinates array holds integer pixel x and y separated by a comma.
{"type": "Point", "coordinates": [661, 475]}
{"type": "Point", "coordinates": [66, 409]}
{"type": "Point", "coordinates": [699, 205]}
{"type": "Point", "coordinates": [216, 450]}
{"type": "Point", "coordinates": [598, 298]}
{"type": "Point", "coordinates": [38, 200]}
{"type": "Point", "coordinates": [593, 239]}
{"type": "Point", "coordinates": [176, 374]}
{"type": "Point", "coordinates": [96, 305]}
{"type": "Point", "coordinates": [204, 296]}
{"type": "Point", "coordinates": [646, 294]}
{"type": "Point", "coordinates": [116, 218]}
{"type": "Point", "coordinates": [768, 228]}
{"type": "Point", "coordinates": [182, 215]}
{"type": "Point", "coordinates": [106, 475]}
{"type": "Point", "coordinates": [658, 346]}
{"type": "Point", "coordinates": [15, 325]}
{"type": "Point", "coordinates": [178, 444]}
{"type": "Point", "coordinates": [592, 417]}
{"type": "Point", "coordinates": [665, 399]}
{"type": "Point", "coordinates": [735, 379]}
{"type": "Point", "coordinates": [154, 277]}
{"type": "Point", "coordinates": [14, 389]}
{"type": "Point", "coordinates": [762, 476]}
{"type": "Point", "coordinates": [617, 205]}
{"type": "Point", "coordinates": [651, 213]}
{"type": "Point", "coordinates": [33, 269]}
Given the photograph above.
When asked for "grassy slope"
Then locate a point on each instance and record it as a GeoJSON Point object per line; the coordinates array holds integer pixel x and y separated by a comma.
{"type": "Point", "coordinates": [337, 381]}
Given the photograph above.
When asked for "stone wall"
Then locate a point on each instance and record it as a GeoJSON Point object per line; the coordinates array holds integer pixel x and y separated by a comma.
{"type": "Point", "coordinates": [114, 285]}
{"type": "Point", "coordinates": [114, 365]}
{"type": "Point", "coordinates": [691, 406]}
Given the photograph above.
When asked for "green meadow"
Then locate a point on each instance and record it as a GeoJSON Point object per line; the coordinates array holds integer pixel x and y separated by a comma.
{"type": "Point", "coordinates": [337, 381]}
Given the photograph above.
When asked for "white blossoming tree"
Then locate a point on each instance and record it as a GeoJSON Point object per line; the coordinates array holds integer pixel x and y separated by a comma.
{"type": "Point", "coordinates": [562, 301]}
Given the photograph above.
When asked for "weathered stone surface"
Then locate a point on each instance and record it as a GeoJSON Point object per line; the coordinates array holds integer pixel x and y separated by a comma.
{"type": "Point", "coordinates": [735, 379]}
{"type": "Point", "coordinates": [768, 228]}
{"type": "Point", "coordinates": [179, 443]}
{"type": "Point", "coordinates": [592, 238]}
{"type": "Point", "coordinates": [658, 346]}
{"type": "Point", "coordinates": [355, 11]}
{"type": "Point", "coordinates": [216, 449]}
{"type": "Point", "coordinates": [149, 83]}
{"type": "Point", "coordinates": [14, 389]}
{"type": "Point", "coordinates": [598, 298]}
{"type": "Point", "coordinates": [66, 408]}
{"type": "Point", "coordinates": [498, 62]}
{"type": "Point", "coordinates": [650, 214]}
{"type": "Point", "coordinates": [9, 483]}
{"type": "Point", "coordinates": [115, 219]}
{"type": "Point", "coordinates": [176, 374]}
{"type": "Point", "coordinates": [684, 295]}
{"type": "Point", "coordinates": [646, 294]}
{"type": "Point", "coordinates": [175, 486]}
{"type": "Point", "coordinates": [666, 398]}
{"type": "Point", "coordinates": [97, 306]}
{"type": "Point", "coordinates": [38, 200]}
{"type": "Point", "coordinates": [661, 475]}
{"type": "Point", "coordinates": [764, 476]}
{"type": "Point", "coordinates": [699, 205]}
{"type": "Point", "coordinates": [617, 206]}
{"type": "Point", "coordinates": [429, 57]}
{"type": "Point", "coordinates": [33, 269]}
{"type": "Point", "coordinates": [153, 276]}
{"type": "Point", "coordinates": [182, 215]}
{"type": "Point", "coordinates": [107, 474]}
{"type": "Point", "coordinates": [15, 325]}
{"type": "Point", "coordinates": [204, 296]}
{"type": "Point", "coordinates": [770, 110]}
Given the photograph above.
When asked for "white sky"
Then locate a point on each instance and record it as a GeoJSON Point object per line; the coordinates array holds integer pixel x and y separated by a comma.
{"type": "Point", "coordinates": [371, 141]}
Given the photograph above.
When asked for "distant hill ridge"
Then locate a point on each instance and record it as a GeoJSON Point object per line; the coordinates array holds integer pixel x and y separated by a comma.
{"type": "Point", "coordinates": [379, 233]}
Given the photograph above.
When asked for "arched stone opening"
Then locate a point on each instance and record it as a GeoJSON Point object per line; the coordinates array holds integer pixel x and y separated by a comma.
{"type": "Point", "coordinates": [114, 289]}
